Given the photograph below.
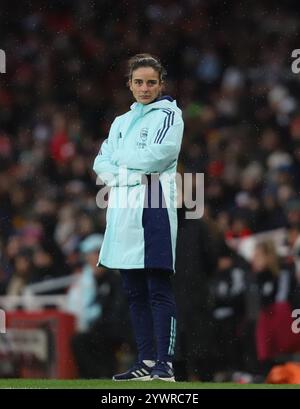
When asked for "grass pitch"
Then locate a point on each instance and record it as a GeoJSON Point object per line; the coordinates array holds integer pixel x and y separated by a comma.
{"type": "Point", "coordinates": [108, 384]}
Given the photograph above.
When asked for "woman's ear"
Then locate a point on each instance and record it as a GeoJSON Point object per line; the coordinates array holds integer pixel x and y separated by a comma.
{"type": "Point", "coordinates": [129, 85]}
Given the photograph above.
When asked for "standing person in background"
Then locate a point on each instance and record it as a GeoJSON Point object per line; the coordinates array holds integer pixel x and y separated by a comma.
{"type": "Point", "coordinates": [228, 288]}
{"type": "Point", "coordinates": [81, 297]}
{"type": "Point", "coordinates": [140, 240]}
{"type": "Point", "coordinates": [274, 335]}
{"type": "Point", "coordinates": [96, 300]}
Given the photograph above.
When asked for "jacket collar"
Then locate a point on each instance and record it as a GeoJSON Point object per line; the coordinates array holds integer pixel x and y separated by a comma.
{"type": "Point", "coordinates": [163, 102]}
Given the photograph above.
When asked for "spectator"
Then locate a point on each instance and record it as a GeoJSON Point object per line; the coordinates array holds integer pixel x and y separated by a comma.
{"type": "Point", "coordinates": [275, 285]}
{"type": "Point", "coordinates": [22, 273]}
{"type": "Point", "coordinates": [228, 301]}
{"type": "Point", "coordinates": [96, 301]}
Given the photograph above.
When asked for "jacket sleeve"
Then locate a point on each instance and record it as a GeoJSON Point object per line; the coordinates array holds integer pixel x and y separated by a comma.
{"type": "Point", "coordinates": [111, 174]}
{"type": "Point", "coordinates": [156, 157]}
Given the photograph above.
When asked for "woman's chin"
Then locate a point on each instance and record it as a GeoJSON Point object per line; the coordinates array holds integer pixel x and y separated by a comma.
{"type": "Point", "coordinates": [145, 100]}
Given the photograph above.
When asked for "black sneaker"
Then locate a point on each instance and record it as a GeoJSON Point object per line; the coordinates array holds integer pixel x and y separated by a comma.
{"type": "Point", "coordinates": [163, 371]}
{"type": "Point", "coordinates": [139, 372]}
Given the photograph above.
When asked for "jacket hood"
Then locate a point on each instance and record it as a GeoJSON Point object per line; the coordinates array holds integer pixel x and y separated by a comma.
{"type": "Point", "coordinates": [160, 103]}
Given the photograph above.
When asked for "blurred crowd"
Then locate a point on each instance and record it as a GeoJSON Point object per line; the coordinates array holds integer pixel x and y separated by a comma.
{"type": "Point", "coordinates": [229, 68]}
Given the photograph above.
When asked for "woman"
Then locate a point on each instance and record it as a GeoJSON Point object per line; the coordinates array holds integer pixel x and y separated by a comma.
{"type": "Point", "coordinates": [274, 335]}
{"type": "Point", "coordinates": [138, 160]}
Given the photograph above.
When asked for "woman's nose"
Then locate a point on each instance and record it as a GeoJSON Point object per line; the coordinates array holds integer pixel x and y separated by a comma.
{"type": "Point", "coordinates": [144, 87]}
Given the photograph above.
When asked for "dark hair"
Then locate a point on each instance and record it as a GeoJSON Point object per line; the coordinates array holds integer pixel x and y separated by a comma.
{"type": "Point", "coordinates": [145, 60]}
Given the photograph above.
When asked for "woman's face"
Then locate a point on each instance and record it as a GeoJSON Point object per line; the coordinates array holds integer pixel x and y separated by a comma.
{"type": "Point", "coordinates": [259, 261]}
{"type": "Point", "coordinates": [145, 85]}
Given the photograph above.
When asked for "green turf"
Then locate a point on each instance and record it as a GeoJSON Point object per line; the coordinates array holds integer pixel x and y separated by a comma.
{"type": "Point", "coordinates": [108, 384]}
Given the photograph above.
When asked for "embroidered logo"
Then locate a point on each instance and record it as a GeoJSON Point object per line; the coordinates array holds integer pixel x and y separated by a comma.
{"type": "Point", "coordinates": [144, 134]}
{"type": "Point", "coordinates": [143, 137]}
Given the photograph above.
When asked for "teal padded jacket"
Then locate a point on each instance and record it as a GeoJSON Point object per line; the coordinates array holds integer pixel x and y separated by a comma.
{"type": "Point", "coordinates": [138, 161]}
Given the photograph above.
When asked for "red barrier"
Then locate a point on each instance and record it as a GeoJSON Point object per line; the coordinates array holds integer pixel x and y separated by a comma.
{"type": "Point", "coordinates": [38, 344]}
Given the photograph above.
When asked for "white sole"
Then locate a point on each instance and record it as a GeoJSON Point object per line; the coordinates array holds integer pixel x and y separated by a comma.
{"type": "Point", "coordinates": [157, 378]}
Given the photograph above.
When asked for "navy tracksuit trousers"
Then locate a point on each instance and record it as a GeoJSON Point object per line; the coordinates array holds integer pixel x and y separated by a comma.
{"type": "Point", "coordinates": [152, 311]}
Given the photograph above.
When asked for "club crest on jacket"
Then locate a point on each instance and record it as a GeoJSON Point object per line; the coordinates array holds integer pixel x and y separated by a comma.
{"type": "Point", "coordinates": [141, 143]}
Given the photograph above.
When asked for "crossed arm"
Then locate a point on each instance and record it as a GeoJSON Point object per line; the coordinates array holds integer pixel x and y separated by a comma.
{"type": "Point", "coordinates": [155, 158]}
